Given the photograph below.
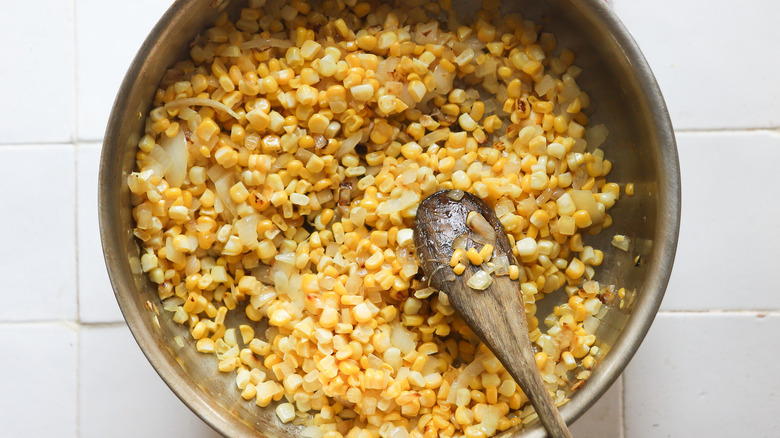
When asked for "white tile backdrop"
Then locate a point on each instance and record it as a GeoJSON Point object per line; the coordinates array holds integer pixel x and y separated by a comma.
{"type": "Point", "coordinates": [707, 368]}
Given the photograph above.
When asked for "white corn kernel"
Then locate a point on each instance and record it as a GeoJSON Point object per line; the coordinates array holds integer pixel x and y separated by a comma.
{"type": "Point", "coordinates": [285, 412]}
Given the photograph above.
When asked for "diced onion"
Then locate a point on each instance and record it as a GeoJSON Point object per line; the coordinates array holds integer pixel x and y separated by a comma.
{"type": "Point", "coordinates": [312, 432]}
{"type": "Point", "coordinates": [386, 68]}
{"type": "Point", "coordinates": [490, 420]}
{"type": "Point", "coordinates": [545, 85]}
{"type": "Point", "coordinates": [502, 264]}
{"type": "Point", "coordinates": [247, 229]}
{"type": "Point", "coordinates": [424, 293]}
{"type": "Point", "coordinates": [460, 241]}
{"type": "Point", "coordinates": [570, 92]}
{"type": "Point", "coordinates": [456, 195]}
{"type": "Point", "coordinates": [590, 324]}
{"type": "Point", "coordinates": [172, 303]}
{"type": "Point", "coordinates": [620, 241]}
{"type": "Point", "coordinates": [407, 199]}
{"type": "Point", "coordinates": [596, 135]}
{"type": "Point", "coordinates": [583, 200]}
{"type": "Point", "coordinates": [398, 432]}
{"type": "Point", "coordinates": [478, 224]}
{"type": "Point", "coordinates": [443, 79]}
{"type": "Point", "coordinates": [402, 338]}
{"type": "Point", "coordinates": [427, 33]}
{"type": "Point", "coordinates": [481, 280]}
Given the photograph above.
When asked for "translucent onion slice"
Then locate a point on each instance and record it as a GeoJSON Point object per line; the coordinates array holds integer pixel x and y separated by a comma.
{"type": "Point", "coordinates": [176, 148]}
{"type": "Point", "coordinates": [466, 376]}
{"type": "Point", "coordinates": [195, 101]}
{"type": "Point", "coordinates": [349, 144]}
{"type": "Point", "coordinates": [265, 43]}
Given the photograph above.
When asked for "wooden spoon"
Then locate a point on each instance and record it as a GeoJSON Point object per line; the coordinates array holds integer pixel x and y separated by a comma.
{"type": "Point", "coordinates": [496, 314]}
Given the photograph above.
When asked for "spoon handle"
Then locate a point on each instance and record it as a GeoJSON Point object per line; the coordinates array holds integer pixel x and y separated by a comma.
{"type": "Point", "coordinates": [507, 337]}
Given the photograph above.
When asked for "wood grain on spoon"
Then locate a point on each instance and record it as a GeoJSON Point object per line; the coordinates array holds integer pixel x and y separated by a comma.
{"type": "Point", "coordinates": [495, 314]}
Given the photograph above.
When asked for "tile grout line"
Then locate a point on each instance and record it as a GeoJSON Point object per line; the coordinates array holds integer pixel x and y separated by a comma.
{"type": "Point", "coordinates": [765, 312]}
{"type": "Point", "coordinates": [75, 130]}
{"type": "Point", "coordinates": [77, 322]}
{"type": "Point", "coordinates": [622, 405]}
{"type": "Point", "coordinates": [103, 324]}
{"type": "Point", "coordinates": [75, 133]}
{"type": "Point", "coordinates": [769, 129]}
{"type": "Point", "coordinates": [67, 322]}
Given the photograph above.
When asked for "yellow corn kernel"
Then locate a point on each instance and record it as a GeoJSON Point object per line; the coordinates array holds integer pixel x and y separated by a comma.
{"type": "Point", "coordinates": [461, 180]}
{"type": "Point", "coordinates": [238, 193]}
{"type": "Point", "coordinates": [582, 219]}
{"type": "Point", "coordinates": [417, 90]}
{"type": "Point", "coordinates": [541, 360]}
{"type": "Point", "coordinates": [474, 257]}
{"type": "Point", "coordinates": [367, 42]}
{"type": "Point", "coordinates": [456, 257]}
{"type": "Point", "coordinates": [514, 272]}
{"type": "Point", "coordinates": [486, 252]}
{"type": "Point", "coordinates": [207, 129]}
{"type": "Point", "coordinates": [539, 218]}
{"type": "Point", "coordinates": [318, 123]}
{"type": "Point", "coordinates": [568, 360]}
{"type": "Point", "coordinates": [575, 269]}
